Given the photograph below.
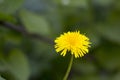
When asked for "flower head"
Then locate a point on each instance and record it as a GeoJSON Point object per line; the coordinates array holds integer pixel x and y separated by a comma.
{"type": "Point", "coordinates": [74, 42]}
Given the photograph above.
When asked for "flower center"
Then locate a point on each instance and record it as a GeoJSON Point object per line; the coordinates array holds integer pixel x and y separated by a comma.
{"type": "Point", "coordinates": [71, 41]}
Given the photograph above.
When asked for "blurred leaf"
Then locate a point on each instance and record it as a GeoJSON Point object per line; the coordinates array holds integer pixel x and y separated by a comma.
{"type": "Point", "coordinates": [84, 67]}
{"type": "Point", "coordinates": [91, 77]}
{"type": "Point", "coordinates": [114, 17]}
{"type": "Point", "coordinates": [41, 57]}
{"type": "Point", "coordinates": [117, 4]}
{"type": "Point", "coordinates": [9, 38]}
{"type": "Point", "coordinates": [61, 1]}
{"type": "Point", "coordinates": [35, 23]}
{"type": "Point", "coordinates": [1, 78]}
{"type": "Point", "coordinates": [110, 32]}
{"type": "Point", "coordinates": [108, 56]}
{"type": "Point", "coordinates": [6, 17]}
{"type": "Point", "coordinates": [103, 2]}
{"type": "Point", "coordinates": [13, 37]}
{"type": "Point", "coordinates": [116, 77]}
{"type": "Point", "coordinates": [1, 1]}
{"type": "Point", "coordinates": [10, 6]}
{"type": "Point", "coordinates": [16, 64]}
{"type": "Point", "coordinates": [79, 3]}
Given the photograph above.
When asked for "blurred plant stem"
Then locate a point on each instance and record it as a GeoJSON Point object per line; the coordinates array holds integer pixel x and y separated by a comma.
{"type": "Point", "coordinates": [68, 69]}
{"type": "Point", "coordinates": [23, 31]}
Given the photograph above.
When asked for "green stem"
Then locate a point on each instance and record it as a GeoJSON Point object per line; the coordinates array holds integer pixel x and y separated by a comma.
{"type": "Point", "coordinates": [68, 69]}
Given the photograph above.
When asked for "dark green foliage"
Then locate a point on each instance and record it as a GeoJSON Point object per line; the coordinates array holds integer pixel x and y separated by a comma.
{"type": "Point", "coordinates": [29, 27]}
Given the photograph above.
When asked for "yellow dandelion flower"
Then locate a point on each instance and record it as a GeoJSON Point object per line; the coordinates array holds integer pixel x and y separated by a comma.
{"type": "Point", "coordinates": [74, 42]}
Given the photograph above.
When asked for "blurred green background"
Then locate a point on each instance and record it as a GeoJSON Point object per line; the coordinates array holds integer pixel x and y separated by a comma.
{"type": "Point", "coordinates": [29, 27]}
